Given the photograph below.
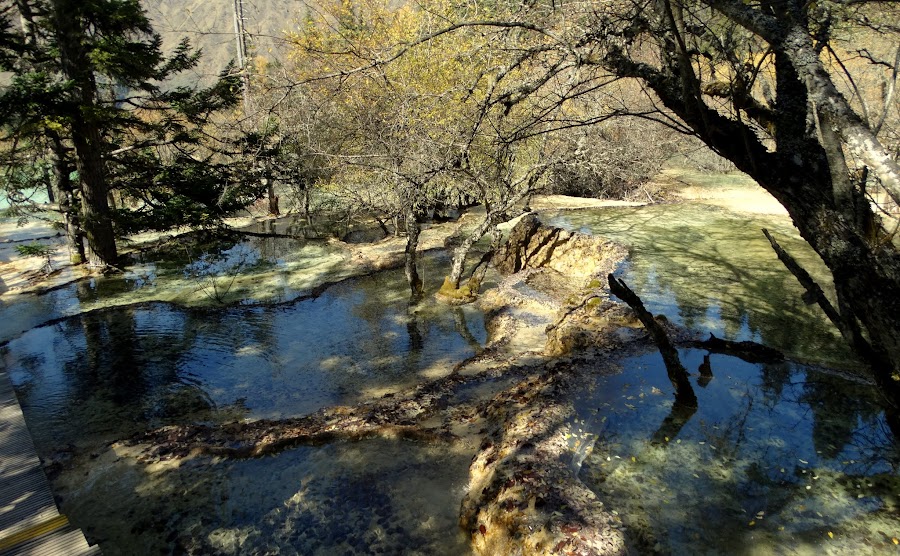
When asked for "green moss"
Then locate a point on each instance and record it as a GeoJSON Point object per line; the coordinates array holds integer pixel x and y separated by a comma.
{"type": "Point", "coordinates": [454, 295]}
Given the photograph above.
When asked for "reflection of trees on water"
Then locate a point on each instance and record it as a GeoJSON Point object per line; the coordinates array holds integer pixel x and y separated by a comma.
{"type": "Point", "coordinates": [840, 409]}
{"type": "Point", "coordinates": [403, 329]}
{"type": "Point", "coordinates": [106, 374]}
{"type": "Point", "coordinates": [785, 445]}
{"type": "Point", "coordinates": [462, 327]}
{"type": "Point", "coordinates": [672, 424]}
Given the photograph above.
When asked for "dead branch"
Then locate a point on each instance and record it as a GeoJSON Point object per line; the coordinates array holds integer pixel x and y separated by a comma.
{"type": "Point", "coordinates": [814, 294]}
{"type": "Point", "coordinates": [684, 393]}
{"type": "Point", "coordinates": [751, 352]}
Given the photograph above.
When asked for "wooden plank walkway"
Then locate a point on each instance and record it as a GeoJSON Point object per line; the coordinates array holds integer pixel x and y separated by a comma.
{"type": "Point", "coordinates": [30, 522]}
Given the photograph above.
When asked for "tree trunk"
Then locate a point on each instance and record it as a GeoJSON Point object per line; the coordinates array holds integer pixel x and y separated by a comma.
{"type": "Point", "coordinates": [799, 174]}
{"type": "Point", "coordinates": [480, 270]}
{"type": "Point", "coordinates": [678, 376]}
{"type": "Point", "coordinates": [63, 170]}
{"type": "Point", "coordinates": [86, 137]}
{"type": "Point", "coordinates": [96, 218]}
{"type": "Point", "coordinates": [412, 245]}
{"type": "Point", "coordinates": [458, 263]}
{"type": "Point", "coordinates": [306, 213]}
{"type": "Point", "coordinates": [273, 199]}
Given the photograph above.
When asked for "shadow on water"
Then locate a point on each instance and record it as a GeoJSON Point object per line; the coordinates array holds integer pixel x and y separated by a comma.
{"type": "Point", "coordinates": [107, 374]}
{"type": "Point", "coordinates": [368, 497]}
{"type": "Point", "coordinates": [711, 269]}
{"type": "Point", "coordinates": [778, 459]}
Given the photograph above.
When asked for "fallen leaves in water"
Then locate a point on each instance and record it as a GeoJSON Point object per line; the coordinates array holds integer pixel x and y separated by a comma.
{"type": "Point", "coordinates": [896, 540]}
{"type": "Point", "coordinates": [830, 535]}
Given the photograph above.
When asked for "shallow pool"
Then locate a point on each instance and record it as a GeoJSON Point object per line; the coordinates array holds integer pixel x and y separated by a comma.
{"type": "Point", "coordinates": [778, 459]}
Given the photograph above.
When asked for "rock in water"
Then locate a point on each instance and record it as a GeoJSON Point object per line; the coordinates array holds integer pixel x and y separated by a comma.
{"type": "Point", "coordinates": [580, 257]}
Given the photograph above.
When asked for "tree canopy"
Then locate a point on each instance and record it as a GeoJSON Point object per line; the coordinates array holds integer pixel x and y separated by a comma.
{"type": "Point", "coordinates": [87, 96]}
{"type": "Point", "coordinates": [798, 95]}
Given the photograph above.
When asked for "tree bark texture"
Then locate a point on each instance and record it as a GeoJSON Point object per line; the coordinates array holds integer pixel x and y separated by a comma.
{"type": "Point", "coordinates": [67, 201]}
{"type": "Point", "coordinates": [458, 263]}
{"type": "Point", "coordinates": [96, 219]}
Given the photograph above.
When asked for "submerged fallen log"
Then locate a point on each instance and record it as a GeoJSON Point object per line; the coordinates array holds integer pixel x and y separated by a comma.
{"type": "Point", "coordinates": [394, 416]}
{"type": "Point", "coordinates": [750, 352]}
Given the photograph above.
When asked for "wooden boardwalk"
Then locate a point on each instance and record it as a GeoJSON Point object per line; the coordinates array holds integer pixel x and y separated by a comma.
{"type": "Point", "coordinates": [30, 522]}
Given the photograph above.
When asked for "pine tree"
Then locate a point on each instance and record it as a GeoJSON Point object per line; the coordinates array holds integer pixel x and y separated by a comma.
{"type": "Point", "coordinates": [87, 94]}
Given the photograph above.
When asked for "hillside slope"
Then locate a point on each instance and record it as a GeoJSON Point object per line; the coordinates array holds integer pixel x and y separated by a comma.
{"type": "Point", "coordinates": [209, 24]}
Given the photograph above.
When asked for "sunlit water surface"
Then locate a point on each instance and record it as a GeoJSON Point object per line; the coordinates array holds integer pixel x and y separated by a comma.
{"type": "Point", "coordinates": [210, 273]}
{"type": "Point", "coordinates": [713, 270]}
{"type": "Point", "coordinates": [784, 458]}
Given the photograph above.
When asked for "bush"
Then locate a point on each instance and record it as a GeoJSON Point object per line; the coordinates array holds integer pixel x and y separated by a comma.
{"type": "Point", "coordinates": [614, 159]}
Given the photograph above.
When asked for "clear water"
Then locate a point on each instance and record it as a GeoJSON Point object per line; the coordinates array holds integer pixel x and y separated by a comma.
{"type": "Point", "coordinates": [360, 498]}
{"type": "Point", "coordinates": [712, 270]}
{"type": "Point", "coordinates": [255, 270]}
{"type": "Point", "coordinates": [778, 459]}
{"type": "Point", "coordinates": [107, 374]}
{"type": "Point", "coordinates": [732, 479]}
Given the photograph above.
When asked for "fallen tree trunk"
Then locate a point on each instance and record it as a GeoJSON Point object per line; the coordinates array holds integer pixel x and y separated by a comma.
{"type": "Point", "coordinates": [750, 352]}
{"type": "Point", "coordinates": [684, 393]}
